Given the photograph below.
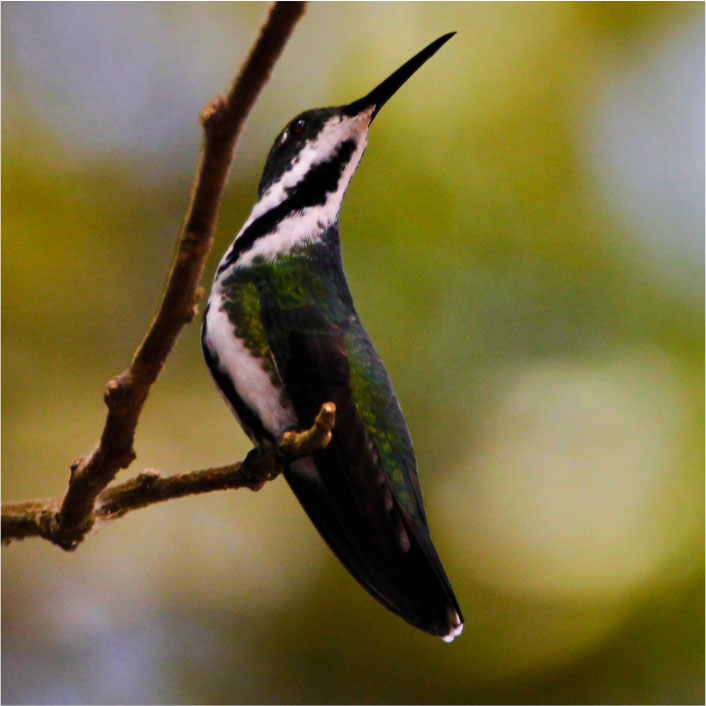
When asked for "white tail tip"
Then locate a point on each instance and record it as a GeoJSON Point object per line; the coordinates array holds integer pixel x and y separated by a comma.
{"type": "Point", "coordinates": [454, 633]}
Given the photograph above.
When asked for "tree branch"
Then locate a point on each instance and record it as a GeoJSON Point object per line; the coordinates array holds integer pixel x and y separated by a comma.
{"type": "Point", "coordinates": [35, 517]}
{"type": "Point", "coordinates": [67, 524]}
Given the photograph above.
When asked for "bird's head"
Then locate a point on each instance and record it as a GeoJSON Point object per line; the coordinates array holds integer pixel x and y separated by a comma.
{"type": "Point", "coordinates": [323, 146]}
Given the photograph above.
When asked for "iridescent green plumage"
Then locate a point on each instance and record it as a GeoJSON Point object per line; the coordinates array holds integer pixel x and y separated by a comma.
{"type": "Point", "coordinates": [296, 284]}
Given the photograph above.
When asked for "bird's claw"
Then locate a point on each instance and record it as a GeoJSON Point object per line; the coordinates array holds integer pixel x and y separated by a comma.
{"type": "Point", "coordinates": [258, 467]}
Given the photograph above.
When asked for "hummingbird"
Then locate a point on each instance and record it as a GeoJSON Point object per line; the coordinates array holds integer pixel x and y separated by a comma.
{"type": "Point", "coordinates": [281, 337]}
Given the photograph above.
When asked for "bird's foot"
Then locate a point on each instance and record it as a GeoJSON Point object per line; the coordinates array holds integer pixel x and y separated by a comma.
{"type": "Point", "coordinates": [258, 467]}
{"type": "Point", "coordinates": [267, 462]}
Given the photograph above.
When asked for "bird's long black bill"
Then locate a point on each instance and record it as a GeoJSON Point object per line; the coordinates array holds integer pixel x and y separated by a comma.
{"type": "Point", "coordinates": [382, 93]}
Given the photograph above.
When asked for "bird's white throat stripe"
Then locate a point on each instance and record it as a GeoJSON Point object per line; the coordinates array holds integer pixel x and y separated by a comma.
{"type": "Point", "coordinates": [295, 230]}
{"type": "Point", "coordinates": [336, 130]}
{"type": "Point", "coordinates": [250, 379]}
{"type": "Point", "coordinates": [310, 223]}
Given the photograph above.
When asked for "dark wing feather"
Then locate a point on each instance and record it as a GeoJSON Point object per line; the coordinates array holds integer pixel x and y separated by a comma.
{"type": "Point", "coordinates": [345, 488]}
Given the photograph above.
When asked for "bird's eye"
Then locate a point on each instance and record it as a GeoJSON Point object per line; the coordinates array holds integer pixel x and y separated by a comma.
{"type": "Point", "coordinates": [298, 126]}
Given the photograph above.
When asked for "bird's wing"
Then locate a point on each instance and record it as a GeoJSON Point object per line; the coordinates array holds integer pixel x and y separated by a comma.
{"type": "Point", "coordinates": [361, 492]}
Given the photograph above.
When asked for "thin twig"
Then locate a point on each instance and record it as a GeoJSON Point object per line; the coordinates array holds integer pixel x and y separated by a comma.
{"type": "Point", "coordinates": [33, 518]}
{"type": "Point", "coordinates": [125, 395]}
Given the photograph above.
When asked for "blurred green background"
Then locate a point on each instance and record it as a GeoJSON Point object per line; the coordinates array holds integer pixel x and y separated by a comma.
{"type": "Point", "coordinates": [524, 240]}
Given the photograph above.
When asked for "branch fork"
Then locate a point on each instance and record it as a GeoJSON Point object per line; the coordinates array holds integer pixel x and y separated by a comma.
{"type": "Point", "coordinates": [42, 518]}
{"type": "Point", "coordinates": [66, 521]}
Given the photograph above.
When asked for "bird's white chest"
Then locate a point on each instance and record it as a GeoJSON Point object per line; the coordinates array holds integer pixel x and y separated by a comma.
{"type": "Point", "coordinates": [252, 381]}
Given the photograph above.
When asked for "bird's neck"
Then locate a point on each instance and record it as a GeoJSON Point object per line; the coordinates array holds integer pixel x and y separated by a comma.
{"type": "Point", "coordinates": [300, 208]}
